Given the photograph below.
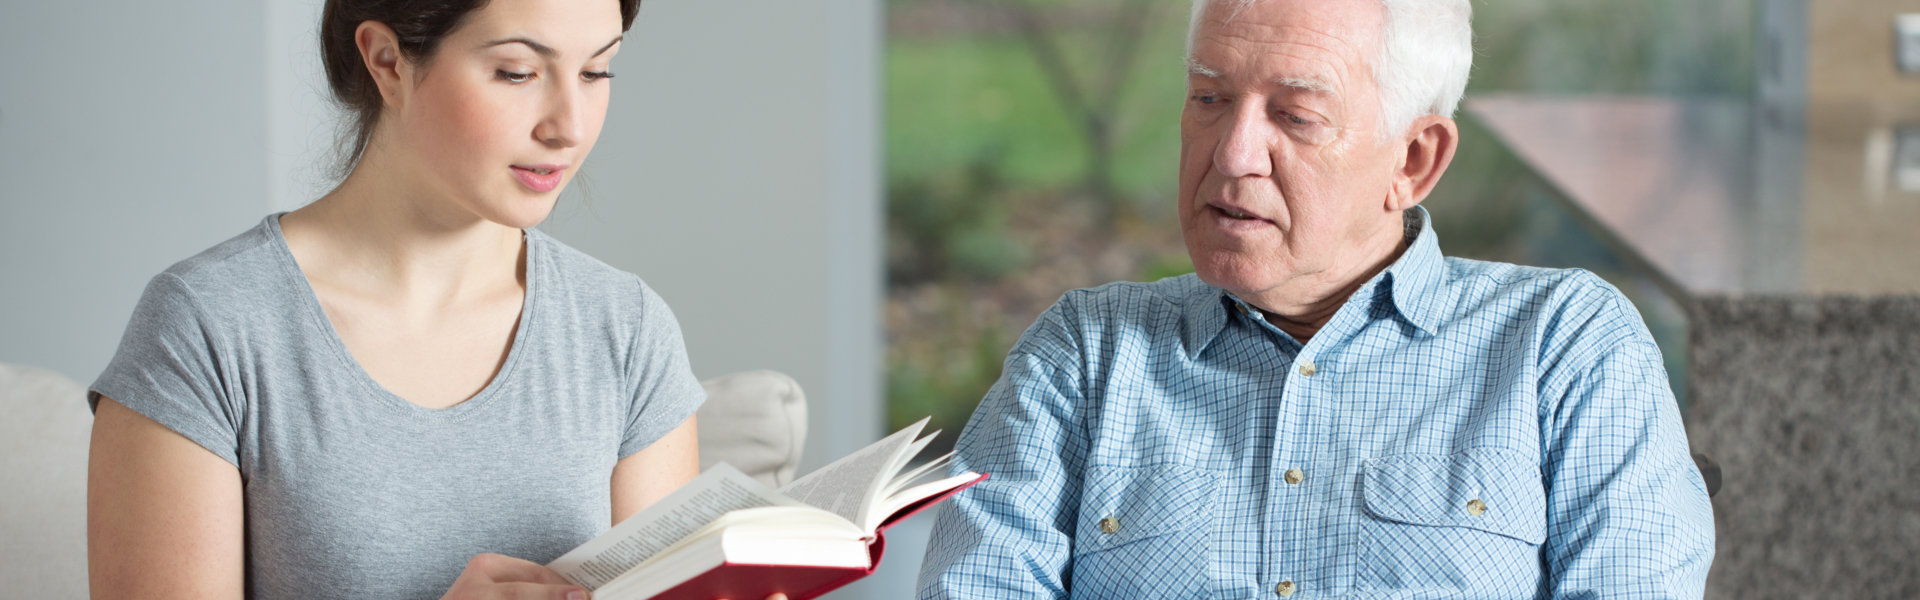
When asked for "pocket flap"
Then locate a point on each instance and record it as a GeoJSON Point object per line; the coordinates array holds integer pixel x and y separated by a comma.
{"type": "Point", "coordinates": [1124, 504]}
{"type": "Point", "coordinates": [1493, 490]}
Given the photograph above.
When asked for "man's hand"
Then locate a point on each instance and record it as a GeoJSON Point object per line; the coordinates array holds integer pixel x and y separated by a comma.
{"type": "Point", "coordinates": [497, 577]}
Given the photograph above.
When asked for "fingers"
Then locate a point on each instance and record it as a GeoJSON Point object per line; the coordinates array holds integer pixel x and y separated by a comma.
{"type": "Point", "coordinates": [521, 590]}
{"type": "Point", "coordinates": [501, 568]}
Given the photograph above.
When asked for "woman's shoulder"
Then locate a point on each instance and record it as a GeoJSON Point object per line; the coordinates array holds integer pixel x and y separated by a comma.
{"type": "Point", "coordinates": [587, 282]}
{"type": "Point", "coordinates": [230, 269]}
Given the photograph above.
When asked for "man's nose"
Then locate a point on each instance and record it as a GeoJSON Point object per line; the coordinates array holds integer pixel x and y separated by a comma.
{"type": "Point", "coordinates": [560, 126]}
{"type": "Point", "coordinates": [1245, 147]}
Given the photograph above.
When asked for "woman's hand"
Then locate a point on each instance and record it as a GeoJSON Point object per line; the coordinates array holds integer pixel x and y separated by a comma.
{"type": "Point", "coordinates": [497, 577]}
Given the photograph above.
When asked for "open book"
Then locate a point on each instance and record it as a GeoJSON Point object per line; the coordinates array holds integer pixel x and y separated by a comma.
{"type": "Point", "coordinates": [725, 535]}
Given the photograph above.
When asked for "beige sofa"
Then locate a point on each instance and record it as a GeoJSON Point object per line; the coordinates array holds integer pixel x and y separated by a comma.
{"type": "Point", "coordinates": [754, 420]}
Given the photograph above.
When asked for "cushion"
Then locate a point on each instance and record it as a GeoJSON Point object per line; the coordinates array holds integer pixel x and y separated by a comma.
{"type": "Point", "coordinates": [43, 470]}
{"type": "Point", "coordinates": [755, 421]}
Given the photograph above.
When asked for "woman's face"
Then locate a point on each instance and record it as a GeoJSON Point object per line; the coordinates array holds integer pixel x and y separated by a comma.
{"type": "Point", "coordinates": [504, 113]}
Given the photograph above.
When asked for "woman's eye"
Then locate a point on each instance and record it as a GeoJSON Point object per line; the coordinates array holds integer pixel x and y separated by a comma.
{"type": "Point", "coordinates": [592, 76]}
{"type": "Point", "coordinates": [512, 77]}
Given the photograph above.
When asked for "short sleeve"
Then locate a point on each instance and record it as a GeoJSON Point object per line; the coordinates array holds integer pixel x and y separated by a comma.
{"type": "Point", "coordinates": [169, 368]}
{"type": "Point", "coordinates": [664, 391]}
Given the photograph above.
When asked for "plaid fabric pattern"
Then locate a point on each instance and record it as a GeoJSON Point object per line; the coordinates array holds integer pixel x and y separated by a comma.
{"type": "Point", "coordinates": [1459, 429]}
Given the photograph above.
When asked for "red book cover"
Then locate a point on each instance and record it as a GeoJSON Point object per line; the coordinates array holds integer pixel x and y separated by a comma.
{"type": "Point", "coordinates": [738, 581]}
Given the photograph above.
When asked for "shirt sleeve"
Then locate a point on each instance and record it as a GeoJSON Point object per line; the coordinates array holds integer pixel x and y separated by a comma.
{"type": "Point", "coordinates": [1627, 513]}
{"type": "Point", "coordinates": [665, 391]}
{"type": "Point", "coordinates": [1011, 535]}
{"type": "Point", "coordinates": [169, 369]}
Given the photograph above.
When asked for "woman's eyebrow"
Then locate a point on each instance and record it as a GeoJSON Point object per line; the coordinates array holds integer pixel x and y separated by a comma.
{"type": "Point", "coordinates": [545, 50]}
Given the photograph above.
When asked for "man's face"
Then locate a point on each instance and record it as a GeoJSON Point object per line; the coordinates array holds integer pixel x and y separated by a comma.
{"type": "Point", "coordinates": [1283, 173]}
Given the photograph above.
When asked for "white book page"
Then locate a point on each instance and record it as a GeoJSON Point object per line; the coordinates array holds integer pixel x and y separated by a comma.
{"type": "Point", "coordinates": [714, 493]}
{"type": "Point", "coordinates": [908, 496]}
{"type": "Point", "coordinates": [922, 472]}
{"type": "Point", "coordinates": [851, 483]}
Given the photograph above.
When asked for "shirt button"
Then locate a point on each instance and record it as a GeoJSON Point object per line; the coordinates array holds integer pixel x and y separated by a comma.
{"type": "Point", "coordinates": [1476, 508]}
{"type": "Point", "coordinates": [1109, 525]}
{"type": "Point", "coordinates": [1295, 476]}
{"type": "Point", "coordinates": [1307, 368]}
{"type": "Point", "coordinates": [1284, 589]}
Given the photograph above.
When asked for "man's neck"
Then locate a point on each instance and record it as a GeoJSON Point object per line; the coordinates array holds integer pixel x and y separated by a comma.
{"type": "Point", "coordinates": [1304, 305]}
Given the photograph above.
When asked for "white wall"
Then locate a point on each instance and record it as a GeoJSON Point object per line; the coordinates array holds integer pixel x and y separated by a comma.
{"type": "Point", "coordinates": [738, 174]}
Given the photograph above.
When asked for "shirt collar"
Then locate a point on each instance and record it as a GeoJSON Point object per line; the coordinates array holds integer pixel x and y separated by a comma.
{"type": "Point", "coordinates": [1417, 282]}
{"type": "Point", "coordinates": [1415, 285]}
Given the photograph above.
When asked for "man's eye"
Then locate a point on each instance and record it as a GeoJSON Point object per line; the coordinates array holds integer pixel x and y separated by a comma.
{"type": "Point", "coordinates": [1204, 98]}
{"type": "Point", "coordinates": [1294, 119]}
{"type": "Point", "coordinates": [512, 77]}
{"type": "Point", "coordinates": [592, 76]}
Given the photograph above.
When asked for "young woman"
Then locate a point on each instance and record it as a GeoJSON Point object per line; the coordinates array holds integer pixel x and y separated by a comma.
{"type": "Point", "coordinates": [400, 390]}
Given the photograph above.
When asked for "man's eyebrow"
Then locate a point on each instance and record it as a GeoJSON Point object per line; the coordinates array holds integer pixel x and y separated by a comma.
{"type": "Point", "coordinates": [1195, 68]}
{"type": "Point", "coordinates": [544, 50]}
{"type": "Point", "coordinates": [1305, 84]}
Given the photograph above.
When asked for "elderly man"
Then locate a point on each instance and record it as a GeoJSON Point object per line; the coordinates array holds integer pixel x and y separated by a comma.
{"type": "Point", "coordinates": [1329, 407]}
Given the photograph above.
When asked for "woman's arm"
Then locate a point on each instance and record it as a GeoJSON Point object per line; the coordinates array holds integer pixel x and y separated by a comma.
{"type": "Point", "coordinates": [645, 477]}
{"type": "Point", "coordinates": [165, 517]}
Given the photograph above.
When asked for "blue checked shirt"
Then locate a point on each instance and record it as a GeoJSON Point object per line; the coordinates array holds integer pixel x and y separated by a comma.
{"type": "Point", "coordinates": [1458, 429]}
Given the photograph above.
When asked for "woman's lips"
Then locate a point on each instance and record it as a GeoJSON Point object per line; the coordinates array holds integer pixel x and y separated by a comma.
{"type": "Point", "coordinates": [539, 178]}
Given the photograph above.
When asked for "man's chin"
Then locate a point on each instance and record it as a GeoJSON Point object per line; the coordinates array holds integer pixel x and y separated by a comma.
{"type": "Point", "coordinates": [1234, 272]}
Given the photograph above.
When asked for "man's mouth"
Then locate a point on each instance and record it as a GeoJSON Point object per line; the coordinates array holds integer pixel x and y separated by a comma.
{"type": "Point", "coordinates": [1234, 214]}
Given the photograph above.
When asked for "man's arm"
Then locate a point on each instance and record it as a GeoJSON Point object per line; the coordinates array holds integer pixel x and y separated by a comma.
{"type": "Point", "coordinates": [1011, 535]}
{"type": "Point", "coordinates": [1628, 516]}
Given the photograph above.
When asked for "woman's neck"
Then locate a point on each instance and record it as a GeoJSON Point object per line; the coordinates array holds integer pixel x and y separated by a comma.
{"type": "Point", "coordinates": [397, 238]}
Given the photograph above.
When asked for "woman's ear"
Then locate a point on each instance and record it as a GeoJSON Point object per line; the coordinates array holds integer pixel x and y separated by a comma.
{"type": "Point", "coordinates": [1427, 153]}
{"type": "Point", "coordinates": [380, 50]}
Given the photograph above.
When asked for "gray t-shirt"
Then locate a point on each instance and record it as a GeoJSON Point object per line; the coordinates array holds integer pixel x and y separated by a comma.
{"type": "Point", "coordinates": [353, 492]}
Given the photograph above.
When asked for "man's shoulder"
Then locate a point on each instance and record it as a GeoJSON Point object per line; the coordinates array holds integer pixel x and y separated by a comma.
{"type": "Point", "coordinates": [1557, 302]}
{"type": "Point", "coordinates": [1090, 318]}
{"type": "Point", "coordinates": [1139, 296]}
{"type": "Point", "coordinates": [1480, 277]}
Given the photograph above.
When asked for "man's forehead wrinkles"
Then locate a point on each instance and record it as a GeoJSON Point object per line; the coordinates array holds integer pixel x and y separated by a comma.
{"type": "Point", "coordinates": [1265, 63]}
{"type": "Point", "coordinates": [1332, 34]}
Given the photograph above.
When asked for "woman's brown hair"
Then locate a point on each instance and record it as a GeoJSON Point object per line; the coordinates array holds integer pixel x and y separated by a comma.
{"type": "Point", "coordinates": [419, 25]}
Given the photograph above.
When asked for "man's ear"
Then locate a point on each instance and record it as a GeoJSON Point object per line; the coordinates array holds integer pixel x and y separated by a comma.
{"type": "Point", "coordinates": [380, 50]}
{"type": "Point", "coordinates": [1428, 151]}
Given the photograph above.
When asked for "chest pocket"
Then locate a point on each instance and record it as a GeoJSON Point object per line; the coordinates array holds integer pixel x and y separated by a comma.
{"type": "Point", "coordinates": [1471, 521]}
{"type": "Point", "coordinates": [1142, 532]}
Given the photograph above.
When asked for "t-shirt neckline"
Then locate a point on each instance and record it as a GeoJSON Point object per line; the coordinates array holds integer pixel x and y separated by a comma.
{"type": "Point", "coordinates": [297, 279]}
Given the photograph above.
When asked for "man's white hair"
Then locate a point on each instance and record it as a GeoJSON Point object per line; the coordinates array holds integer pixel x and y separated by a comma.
{"type": "Point", "coordinates": [1421, 69]}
